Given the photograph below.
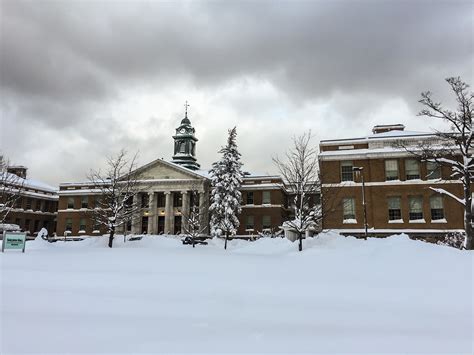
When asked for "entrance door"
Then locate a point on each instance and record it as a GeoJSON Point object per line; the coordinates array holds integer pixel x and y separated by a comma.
{"type": "Point", "coordinates": [177, 224]}
{"type": "Point", "coordinates": [144, 225]}
{"type": "Point", "coordinates": [161, 224]}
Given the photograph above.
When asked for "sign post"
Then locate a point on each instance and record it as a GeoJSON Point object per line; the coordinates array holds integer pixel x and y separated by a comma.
{"type": "Point", "coordinates": [13, 240]}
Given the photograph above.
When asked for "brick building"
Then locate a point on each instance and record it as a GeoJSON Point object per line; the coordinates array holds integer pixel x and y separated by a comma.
{"type": "Point", "coordinates": [36, 206]}
{"type": "Point", "coordinates": [167, 192]}
{"type": "Point", "coordinates": [397, 185]}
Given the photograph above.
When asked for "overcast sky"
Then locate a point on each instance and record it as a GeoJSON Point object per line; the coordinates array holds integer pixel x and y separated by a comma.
{"type": "Point", "coordinates": [80, 80]}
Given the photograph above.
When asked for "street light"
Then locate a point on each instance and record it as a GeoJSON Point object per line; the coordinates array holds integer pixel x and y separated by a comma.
{"type": "Point", "coordinates": [360, 170]}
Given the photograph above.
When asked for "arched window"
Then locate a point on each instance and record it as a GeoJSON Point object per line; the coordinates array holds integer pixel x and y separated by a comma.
{"type": "Point", "coordinates": [182, 147]}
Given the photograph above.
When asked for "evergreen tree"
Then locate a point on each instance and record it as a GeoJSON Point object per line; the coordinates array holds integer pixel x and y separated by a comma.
{"type": "Point", "coordinates": [226, 179]}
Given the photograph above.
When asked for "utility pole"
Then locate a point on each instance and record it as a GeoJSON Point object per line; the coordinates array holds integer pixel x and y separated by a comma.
{"type": "Point", "coordinates": [360, 171]}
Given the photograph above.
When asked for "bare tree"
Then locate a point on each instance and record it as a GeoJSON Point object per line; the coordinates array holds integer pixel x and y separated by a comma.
{"type": "Point", "coordinates": [11, 187]}
{"type": "Point", "coordinates": [118, 188]}
{"type": "Point", "coordinates": [193, 226]}
{"type": "Point", "coordinates": [300, 171]}
{"type": "Point", "coordinates": [454, 148]}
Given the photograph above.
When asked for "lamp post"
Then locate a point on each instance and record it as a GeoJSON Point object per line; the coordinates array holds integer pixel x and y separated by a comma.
{"type": "Point", "coordinates": [360, 171]}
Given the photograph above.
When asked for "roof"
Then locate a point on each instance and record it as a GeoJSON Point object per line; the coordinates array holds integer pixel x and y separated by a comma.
{"type": "Point", "coordinates": [31, 183]}
{"type": "Point", "coordinates": [378, 136]}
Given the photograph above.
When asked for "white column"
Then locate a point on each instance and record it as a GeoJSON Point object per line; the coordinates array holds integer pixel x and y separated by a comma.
{"type": "Point", "coordinates": [185, 211]}
{"type": "Point", "coordinates": [203, 212]}
{"type": "Point", "coordinates": [169, 213]}
{"type": "Point", "coordinates": [152, 213]}
{"type": "Point", "coordinates": [137, 217]}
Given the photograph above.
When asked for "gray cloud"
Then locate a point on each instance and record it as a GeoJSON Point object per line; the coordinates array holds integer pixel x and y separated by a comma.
{"type": "Point", "coordinates": [67, 68]}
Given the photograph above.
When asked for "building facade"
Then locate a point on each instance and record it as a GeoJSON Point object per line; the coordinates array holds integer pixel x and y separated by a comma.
{"type": "Point", "coordinates": [398, 187]}
{"type": "Point", "coordinates": [169, 189]}
{"type": "Point", "coordinates": [36, 205]}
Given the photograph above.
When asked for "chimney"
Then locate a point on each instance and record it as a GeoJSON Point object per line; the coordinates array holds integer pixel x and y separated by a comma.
{"type": "Point", "coordinates": [18, 170]}
{"type": "Point", "coordinates": [387, 128]}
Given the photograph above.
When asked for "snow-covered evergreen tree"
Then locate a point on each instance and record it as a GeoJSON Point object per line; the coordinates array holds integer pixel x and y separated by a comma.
{"type": "Point", "coordinates": [226, 179]}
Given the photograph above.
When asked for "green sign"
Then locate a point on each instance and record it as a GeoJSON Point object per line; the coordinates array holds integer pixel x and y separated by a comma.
{"type": "Point", "coordinates": [14, 240]}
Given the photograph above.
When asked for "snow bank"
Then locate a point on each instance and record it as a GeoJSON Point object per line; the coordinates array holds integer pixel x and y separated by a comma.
{"type": "Point", "coordinates": [155, 295]}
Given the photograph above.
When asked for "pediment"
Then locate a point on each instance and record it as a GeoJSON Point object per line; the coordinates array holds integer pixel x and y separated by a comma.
{"type": "Point", "coordinates": [162, 170]}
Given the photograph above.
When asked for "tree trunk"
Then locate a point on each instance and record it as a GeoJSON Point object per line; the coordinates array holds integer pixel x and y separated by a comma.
{"type": "Point", "coordinates": [300, 244]}
{"type": "Point", "coordinates": [225, 243]}
{"type": "Point", "coordinates": [111, 237]}
{"type": "Point", "coordinates": [468, 228]}
{"type": "Point", "coordinates": [468, 213]}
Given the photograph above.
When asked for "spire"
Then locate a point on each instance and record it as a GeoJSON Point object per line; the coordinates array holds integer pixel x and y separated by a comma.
{"type": "Point", "coordinates": [186, 105]}
{"type": "Point", "coordinates": [186, 120]}
{"type": "Point", "coordinates": [185, 143]}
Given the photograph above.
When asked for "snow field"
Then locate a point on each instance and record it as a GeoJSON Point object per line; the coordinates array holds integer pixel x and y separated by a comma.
{"type": "Point", "coordinates": [340, 295]}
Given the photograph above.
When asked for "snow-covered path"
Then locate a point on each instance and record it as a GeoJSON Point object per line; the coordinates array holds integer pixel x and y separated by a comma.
{"type": "Point", "coordinates": [339, 295]}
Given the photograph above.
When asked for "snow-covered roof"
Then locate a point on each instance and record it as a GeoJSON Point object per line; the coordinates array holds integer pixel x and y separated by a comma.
{"type": "Point", "coordinates": [30, 183]}
{"type": "Point", "coordinates": [40, 185]}
{"type": "Point", "coordinates": [385, 152]}
{"type": "Point", "coordinates": [395, 134]}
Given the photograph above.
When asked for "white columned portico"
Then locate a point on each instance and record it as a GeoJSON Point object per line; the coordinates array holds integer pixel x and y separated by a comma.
{"type": "Point", "coordinates": [169, 213]}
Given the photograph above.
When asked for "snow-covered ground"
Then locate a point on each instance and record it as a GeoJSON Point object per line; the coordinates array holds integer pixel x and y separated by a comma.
{"type": "Point", "coordinates": [340, 295]}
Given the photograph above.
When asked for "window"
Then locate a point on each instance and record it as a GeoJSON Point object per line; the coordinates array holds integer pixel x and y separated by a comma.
{"type": "Point", "coordinates": [266, 198]}
{"type": "Point", "coordinates": [348, 207]}
{"type": "Point", "coordinates": [182, 147]}
{"type": "Point", "coordinates": [28, 204]}
{"type": "Point", "coordinates": [128, 203]}
{"type": "Point", "coordinates": [36, 225]}
{"type": "Point", "coordinates": [266, 222]}
{"type": "Point", "coordinates": [177, 199]}
{"type": "Point", "coordinates": [412, 169]}
{"type": "Point", "coordinates": [391, 170]}
{"type": "Point", "coordinates": [144, 201]}
{"type": "Point", "coordinates": [46, 206]}
{"type": "Point", "coordinates": [250, 222]}
{"type": "Point", "coordinates": [436, 206]}
{"type": "Point", "coordinates": [346, 171]}
{"type": "Point", "coordinates": [84, 201]}
{"type": "Point", "coordinates": [415, 204]}
{"type": "Point", "coordinates": [194, 198]}
{"type": "Point", "coordinates": [317, 199]}
{"type": "Point", "coordinates": [161, 199]}
{"type": "Point", "coordinates": [394, 209]}
{"type": "Point", "coordinates": [69, 224]}
{"type": "Point", "coordinates": [433, 171]}
{"type": "Point", "coordinates": [250, 198]}
{"type": "Point", "coordinates": [18, 202]}
{"type": "Point", "coordinates": [38, 205]}
{"type": "Point", "coordinates": [70, 202]}
{"type": "Point", "coordinates": [27, 225]}
{"type": "Point", "coordinates": [82, 224]}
